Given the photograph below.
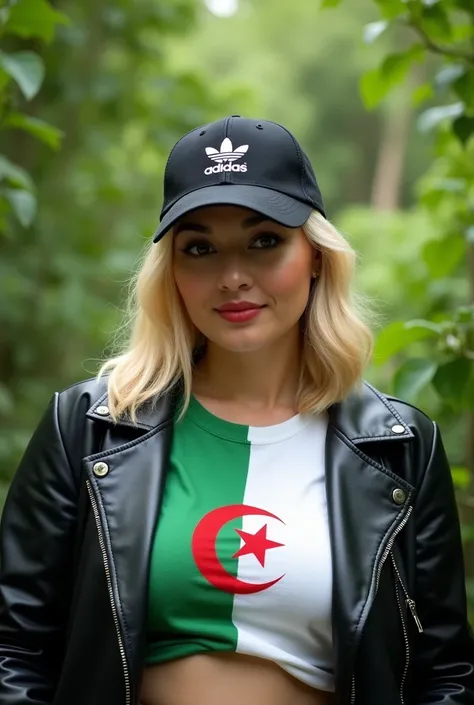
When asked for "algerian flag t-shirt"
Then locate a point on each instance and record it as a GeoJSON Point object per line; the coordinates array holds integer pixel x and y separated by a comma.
{"type": "Point", "coordinates": [241, 559]}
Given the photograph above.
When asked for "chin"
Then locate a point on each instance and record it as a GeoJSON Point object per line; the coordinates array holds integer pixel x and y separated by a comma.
{"type": "Point", "coordinates": [244, 341]}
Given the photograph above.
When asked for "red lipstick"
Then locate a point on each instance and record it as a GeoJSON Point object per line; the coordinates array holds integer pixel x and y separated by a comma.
{"type": "Point", "coordinates": [239, 311]}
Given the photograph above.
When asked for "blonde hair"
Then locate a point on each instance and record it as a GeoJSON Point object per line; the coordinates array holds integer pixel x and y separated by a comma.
{"type": "Point", "coordinates": [160, 339]}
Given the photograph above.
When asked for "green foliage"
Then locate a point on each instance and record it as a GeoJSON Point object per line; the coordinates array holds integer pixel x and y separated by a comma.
{"type": "Point", "coordinates": [33, 18]}
{"type": "Point", "coordinates": [397, 336]}
{"type": "Point", "coordinates": [446, 193]}
{"type": "Point", "coordinates": [431, 356]}
{"type": "Point", "coordinates": [23, 70]}
{"type": "Point", "coordinates": [412, 376]}
{"type": "Point", "coordinates": [377, 83]}
{"type": "Point", "coordinates": [26, 68]}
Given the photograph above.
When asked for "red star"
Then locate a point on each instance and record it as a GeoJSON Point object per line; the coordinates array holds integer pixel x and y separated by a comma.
{"type": "Point", "coordinates": [257, 544]}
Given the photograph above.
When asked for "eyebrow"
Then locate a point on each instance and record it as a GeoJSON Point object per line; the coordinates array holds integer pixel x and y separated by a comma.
{"type": "Point", "coordinates": [199, 228]}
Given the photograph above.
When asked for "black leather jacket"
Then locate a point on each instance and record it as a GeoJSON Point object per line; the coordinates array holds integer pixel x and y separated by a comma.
{"type": "Point", "coordinates": [78, 527]}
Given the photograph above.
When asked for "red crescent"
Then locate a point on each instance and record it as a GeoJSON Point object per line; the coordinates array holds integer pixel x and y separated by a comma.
{"type": "Point", "coordinates": [204, 549]}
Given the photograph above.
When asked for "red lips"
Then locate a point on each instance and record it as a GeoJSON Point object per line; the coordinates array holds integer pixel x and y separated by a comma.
{"type": "Point", "coordinates": [238, 306]}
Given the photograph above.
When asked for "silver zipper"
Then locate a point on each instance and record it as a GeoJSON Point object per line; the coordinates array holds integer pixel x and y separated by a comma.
{"type": "Point", "coordinates": [128, 697]}
{"type": "Point", "coordinates": [411, 603]}
{"type": "Point", "coordinates": [377, 581]}
{"type": "Point", "coordinates": [405, 638]}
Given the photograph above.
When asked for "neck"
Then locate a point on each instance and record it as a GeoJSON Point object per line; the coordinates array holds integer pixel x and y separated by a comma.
{"type": "Point", "coordinates": [263, 379]}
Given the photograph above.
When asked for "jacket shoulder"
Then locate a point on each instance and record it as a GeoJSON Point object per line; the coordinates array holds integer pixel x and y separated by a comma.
{"type": "Point", "coordinates": [421, 426]}
{"type": "Point", "coordinates": [416, 418]}
{"type": "Point", "coordinates": [73, 403]}
{"type": "Point", "coordinates": [82, 393]}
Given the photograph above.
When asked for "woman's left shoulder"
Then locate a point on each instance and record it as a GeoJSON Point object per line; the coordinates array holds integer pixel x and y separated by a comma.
{"type": "Point", "coordinates": [417, 419]}
{"type": "Point", "coordinates": [390, 418]}
{"type": "Point", "coordinates": [403, 421]}
{"type": "Point", "coordinates": [369, 414]}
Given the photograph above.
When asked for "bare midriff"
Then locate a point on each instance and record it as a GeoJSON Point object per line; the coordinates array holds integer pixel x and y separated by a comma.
{"type": "Point", "coordinates": [226, 679]}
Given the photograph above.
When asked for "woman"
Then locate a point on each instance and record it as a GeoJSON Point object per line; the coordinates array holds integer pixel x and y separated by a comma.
{"type": "Point", "coordinates": [228, 516]}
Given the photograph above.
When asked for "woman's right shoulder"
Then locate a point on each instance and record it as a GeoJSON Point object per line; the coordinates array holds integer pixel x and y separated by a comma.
{"type": "Point", "coordinates": [70, 412]}
{"type": "Point", "coordinates": [81, 396]}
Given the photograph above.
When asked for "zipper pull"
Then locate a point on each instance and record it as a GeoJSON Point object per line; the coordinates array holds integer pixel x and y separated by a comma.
{"type": "Point", "coordinates": [412, 607]}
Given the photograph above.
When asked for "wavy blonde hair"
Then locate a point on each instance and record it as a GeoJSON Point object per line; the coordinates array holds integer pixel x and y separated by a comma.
{"type": "Point", "coordinates": [160, 339]}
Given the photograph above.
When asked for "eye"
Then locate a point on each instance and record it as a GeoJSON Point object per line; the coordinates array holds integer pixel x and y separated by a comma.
{"type": "Point", "coordinates": [268, 241]}
{"type": "Point", "coordinates": [197, 249]}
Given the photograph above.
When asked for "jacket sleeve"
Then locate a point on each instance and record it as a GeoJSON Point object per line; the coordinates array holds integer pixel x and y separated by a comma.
{"type": "Point", "coordinates": [444, 654]}
{"type": "Point", "coordinates": [36, 535]}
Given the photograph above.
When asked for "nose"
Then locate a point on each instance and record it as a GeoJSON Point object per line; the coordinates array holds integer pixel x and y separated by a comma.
{"type": "Point", "coordinates": [234, 276]}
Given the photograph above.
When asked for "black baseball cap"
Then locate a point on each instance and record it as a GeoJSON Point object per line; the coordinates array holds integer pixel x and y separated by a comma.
{"type": "Point", "coordinates": [238, 161]}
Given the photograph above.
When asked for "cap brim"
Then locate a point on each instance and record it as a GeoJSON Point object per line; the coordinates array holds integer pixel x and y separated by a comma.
{"type": "Point", "coordinates": [275, 205]}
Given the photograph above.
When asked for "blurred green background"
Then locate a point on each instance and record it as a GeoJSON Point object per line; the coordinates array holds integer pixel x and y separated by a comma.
{"type": "Point", "coordinates": [93, 94]}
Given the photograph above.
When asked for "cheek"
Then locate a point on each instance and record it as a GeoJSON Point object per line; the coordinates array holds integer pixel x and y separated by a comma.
{"type": "Point", "coordinates": [291, 277]}
{"type": "Point", "coordinates": [192, 288]}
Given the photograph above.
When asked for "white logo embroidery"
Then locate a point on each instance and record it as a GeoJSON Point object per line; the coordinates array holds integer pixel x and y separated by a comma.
{"type": "Point", "coordinates": [225, 158]}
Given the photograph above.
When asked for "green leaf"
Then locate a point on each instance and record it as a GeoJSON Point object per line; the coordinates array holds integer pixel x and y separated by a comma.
{"type": "Point", "coordinates": [443, 256]}
{"type": "Point", "coordinates": [451, 378]}
{"type": "Point", "coordinates": [15, 175]}
{"type": "Point", "coordinates": [464, 88]}
{"type": "Point", "coordinates": [373, 88]}
{"type": "Point", "coordinates": [465, 5]}
{"type": "Point", "coordinates": [26, 68]}
{"type": "Point", "coordinates": [330, 3]}
{"type": "Point", "coordinates": [413, 375]}
{"type": "Point", "coordinates": [464, 314]}
{"type": "Point", "coordinates": [461, 477]}
{"type": "Point", "coordinates": [448, 74]}
{"type": "Point", "coordinates": [34, 18]}
{"type": "Point", "coordinates": [390, 9]}
{"type": "Point", "coordinates": [395, 67]}
{"type": "Point", "coordinates": [42, 130]}
{"type": "Point", "coordinates": [463, 128]}
{"type": "Point", "coordinates": [373, 30]}
{"type": "Point", "coordinates": [424, 324]}
{"type": "Point", "coordinates": [432, 117]}
{"type": "Point", "coordinates": [439, 188]}
{"type": "Point", "coordinates": [397, 336]}
{"type": "Point", "coordinates": [377, 83]}
{"type": "Point", "coordinates": [23, 204]}
{"type": "Point", "coordinates": [422, 93]}
{"type": "Point", "coordinates": [435, 23]}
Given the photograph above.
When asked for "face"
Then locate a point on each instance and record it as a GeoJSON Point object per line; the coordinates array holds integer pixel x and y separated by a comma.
{"type": "Point", "coordinates": [226, 257]}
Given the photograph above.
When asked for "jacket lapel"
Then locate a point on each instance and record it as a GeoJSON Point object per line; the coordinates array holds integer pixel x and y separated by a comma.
{"type": "Point", "coordinates": [363, 515]}
{"type": "Point", "coordinates": [128, 499]}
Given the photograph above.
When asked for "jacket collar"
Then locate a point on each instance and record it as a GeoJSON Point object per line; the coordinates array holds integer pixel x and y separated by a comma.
{"type": "Point", "coordinates": [365, 416]}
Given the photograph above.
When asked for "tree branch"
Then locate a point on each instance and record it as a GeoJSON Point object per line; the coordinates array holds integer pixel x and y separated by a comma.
{"type": "Point", "coordinates": [436, 48]}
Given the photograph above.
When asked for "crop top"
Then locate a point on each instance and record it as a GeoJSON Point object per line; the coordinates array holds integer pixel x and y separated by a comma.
{"type": "Point", "coordinates": [241, 559]}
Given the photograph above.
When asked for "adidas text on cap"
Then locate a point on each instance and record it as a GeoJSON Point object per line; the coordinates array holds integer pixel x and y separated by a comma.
{"type": "Point", "coordinates": [241, 162]}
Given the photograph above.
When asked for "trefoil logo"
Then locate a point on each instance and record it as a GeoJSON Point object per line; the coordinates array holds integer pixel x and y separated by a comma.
{"type": "Point", "coordinates": [225, 158]}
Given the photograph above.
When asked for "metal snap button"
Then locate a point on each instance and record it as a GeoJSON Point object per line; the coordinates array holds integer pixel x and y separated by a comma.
{"type": "Point", "coordinates": [398, 428]}
{"type": "Point", "coordinates": [102, 410]}
{"type": "Point", "coordinates": [398, 496]}
{"type": "Point", "coordinates": [100, 469]}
